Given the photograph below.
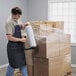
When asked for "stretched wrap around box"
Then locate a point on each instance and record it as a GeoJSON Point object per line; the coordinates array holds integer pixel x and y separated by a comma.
{"type": "Point", "coordinates": [52, 57]}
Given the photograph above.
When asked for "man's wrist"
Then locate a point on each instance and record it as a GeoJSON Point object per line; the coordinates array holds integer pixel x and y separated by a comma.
{"type": "Point", "coordinates": [19, 39]}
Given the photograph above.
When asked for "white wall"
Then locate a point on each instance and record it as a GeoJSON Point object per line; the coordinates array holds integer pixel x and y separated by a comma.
{"type": "Point", "coordinates": [62, 0]}
{"type": "Point", "coordinates": [37, 10]}
{"type": "Point", "coordinates": [5, 6]}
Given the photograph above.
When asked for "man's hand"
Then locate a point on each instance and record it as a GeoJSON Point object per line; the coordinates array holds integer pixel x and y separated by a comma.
{"type": "Point", "coordinates": [24, 25]}
{"type": "Point", "coordinates": [23, 39]}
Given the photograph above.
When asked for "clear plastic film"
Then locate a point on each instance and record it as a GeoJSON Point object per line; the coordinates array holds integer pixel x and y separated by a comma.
{"type": "Point", "coordinates": [47, 32]}
{"type": "Point", "coordinates": [42, 30]}
{"type": "Point", "coordinates": [57, 44]}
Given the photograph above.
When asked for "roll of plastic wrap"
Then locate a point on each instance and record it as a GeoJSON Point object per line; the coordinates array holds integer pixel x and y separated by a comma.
{"type": "Point", "coordinates": [30, 36]}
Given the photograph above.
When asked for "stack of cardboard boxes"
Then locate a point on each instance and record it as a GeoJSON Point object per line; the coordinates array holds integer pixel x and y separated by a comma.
{"type": "Point", "coordinates": [52, 57]}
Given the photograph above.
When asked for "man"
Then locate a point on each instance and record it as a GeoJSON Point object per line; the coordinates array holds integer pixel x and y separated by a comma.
{"type": "Point", "coordinates": [15, 46]}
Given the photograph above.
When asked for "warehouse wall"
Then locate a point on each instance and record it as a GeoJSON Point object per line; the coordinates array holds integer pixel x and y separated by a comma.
{"type": "Point", "coordinates": [73, 54]}
{"type": "Point", "coordinates": [37, 9]}
{"type": "Point", "coordinates": [5, 6]}
{"type": "Point", "coordinates": [62, 0]}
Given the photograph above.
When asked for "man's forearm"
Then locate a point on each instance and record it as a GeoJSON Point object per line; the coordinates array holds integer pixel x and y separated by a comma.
{"type": "Point", "coordinates": [14, 39]}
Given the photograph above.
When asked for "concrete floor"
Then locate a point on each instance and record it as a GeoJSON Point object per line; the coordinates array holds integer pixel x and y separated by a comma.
{"type": "Point", "coordinates": [3, 71]}
{"type": "Point", "coordinates": [74, 74]}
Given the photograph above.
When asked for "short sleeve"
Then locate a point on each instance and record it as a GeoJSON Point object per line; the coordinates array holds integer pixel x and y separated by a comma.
{"type": "Point", "coordinates": [8, 28]}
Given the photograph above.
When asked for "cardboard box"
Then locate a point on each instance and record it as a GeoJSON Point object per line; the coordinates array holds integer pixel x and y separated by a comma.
{"type": "Point", "coordinates": [29, 62]}
{"type": "Point", "coordinates": [51, 67]}
{"type": "Point", "coordinates": [56, 24]}
{"type": "Point", "coordinates": [56, 44]}
{"type": "Point", "coordinates": [65, 40]}
{"type": "Point", "coordinates": [29, 57]}
{"type": "Point", "coordinates": [60, 25]}
{"type": "Point", "coordinates": [67, 64]}
{"type": "Point", "coordinates": [52, 24]}
{"type": "Point", "coordinates": [65, 44]}
{"type": "Point", "coordinates": [65, 51]}
{"type": "Point", "coordinates": [47, 49]}
{"type": "Point", "coordinates": [41, 67]}
{"type": "Point", "coordinates": [30, 70]}
{"type": "Point", "coordinates": [43, 27]}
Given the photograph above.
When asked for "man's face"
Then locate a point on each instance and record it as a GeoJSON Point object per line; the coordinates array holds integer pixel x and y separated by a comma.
{"type": "Point", "coordinates": [16, 17]}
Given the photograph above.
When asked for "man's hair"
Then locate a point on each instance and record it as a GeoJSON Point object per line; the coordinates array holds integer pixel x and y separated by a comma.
{"type": "Point", "coordinates": [16, 10]}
